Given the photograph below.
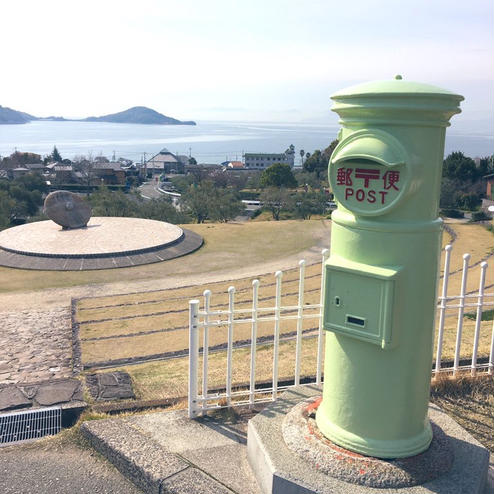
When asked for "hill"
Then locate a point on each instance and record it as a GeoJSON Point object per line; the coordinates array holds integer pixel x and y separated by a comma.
{"type": "Point", "coordinates": [139, 115]}
{"type": "Point", "coordinates": [9, 116]}
{"type": "Point", "coordinates": [136, 115]}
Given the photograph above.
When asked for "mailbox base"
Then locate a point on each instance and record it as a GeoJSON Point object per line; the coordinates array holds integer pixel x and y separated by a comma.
{"type": "Point", "coordinates": [280, 471]}
{"type": "Point", "coordinates": [402, 448]}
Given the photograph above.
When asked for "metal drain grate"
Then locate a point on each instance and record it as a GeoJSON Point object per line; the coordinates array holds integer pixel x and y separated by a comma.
{"type": "Point", "coordinates": [26, 425]}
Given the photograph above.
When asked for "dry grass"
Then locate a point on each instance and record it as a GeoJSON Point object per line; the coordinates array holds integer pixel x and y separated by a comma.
{"type": "Point", "coordinates": [470, 402]}
{"type": "Point", "coordinates": [164, 314]}
{"type": "Point", "coordinates": [169, 378]}
{"type": "Point", "coordinates": [224, 245]}
{"type": "Point", "coordinates": [476, 241]}
{"type": "Point", "coordinates": [173, 320]}
{"type": "Point", "coordinates": [450, 331]}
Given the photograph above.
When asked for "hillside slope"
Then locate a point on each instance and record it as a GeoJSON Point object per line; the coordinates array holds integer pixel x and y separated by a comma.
{"type": "Point", "coordinates": [139, 115]}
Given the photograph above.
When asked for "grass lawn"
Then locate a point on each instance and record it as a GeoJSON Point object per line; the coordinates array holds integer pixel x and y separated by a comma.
{"type": "Point", "coordinates": [226, 246]}
{"type": "Point", "coordinates": [156, 322]}
{"type": "Point", "coordinates": [159, 323]}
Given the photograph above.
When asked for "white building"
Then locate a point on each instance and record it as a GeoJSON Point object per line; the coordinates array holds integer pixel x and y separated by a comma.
{"type": "Point", "coordinates": [260, 161]}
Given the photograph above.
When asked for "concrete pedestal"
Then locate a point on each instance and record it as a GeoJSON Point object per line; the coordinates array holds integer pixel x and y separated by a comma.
{"type": "Point", "coordinates": [281, 471]}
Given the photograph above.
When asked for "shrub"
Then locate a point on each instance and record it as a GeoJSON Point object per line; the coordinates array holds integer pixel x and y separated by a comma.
{"type": "Point", "coordinates": [452, 213]}
{"type": "Point", "coordinates": [480, 216]}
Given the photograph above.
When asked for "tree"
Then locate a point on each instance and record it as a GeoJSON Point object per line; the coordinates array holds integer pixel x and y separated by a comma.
{"type": "Point", "coordinates": [205, 201]}
{"type": "Point", "coordinates": [318, 161]}
{"type": "Point", "coordinates": [33, 181]}
{"type": "Point", "coordinates": [278, 175]}
{"type": "Point", "coordinates": [55, 155]}
{"type": "Point", "coordinates": [182, 183]}
{"type": "Point", "coordinates": [302, 154]}
{"type": "Point", "coordinates": [162, 209]}
{"type": "Point", "coordinates": [485, 166]}
{"type": "Point", "coordinates": [225, 206]}
{"type": "Point", "coordinates": [196, 201]}
{"type": "Point", "coordinates": [276, 200]}
{"type": "Point", "coordinates": [104, 202]}
{"type": "Point", "coordinates": [7, 205]}
{"type": "Point", "coordinates": [21, 198]}
{"type": "Point", "coordinates": [460, 167]}
{"type": "Point", "coordinates": [192, 161]}
{"type": "Point", "coordinates": [309, 203]}
{"type": "Point", "coordinates": [308, 180]}
{"type": "Point", "coordinates": [456, 193]}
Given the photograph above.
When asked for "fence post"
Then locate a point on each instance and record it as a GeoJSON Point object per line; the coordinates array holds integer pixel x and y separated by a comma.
{"type": "Point", "coordinates": [253, 340]}
{"type": "Point", "coordinates": [300, 321]}
{"type": "Point", "coordinates": [442, 309]}
{"type": "Point", "coordinates": [491, 353]}
{"type": "Point", "coordinates": [205, 345]}
{"type": "Point", "coordinates": [324, 253]}
{"type": "Point", "coordinates": [461, 310]}
{"type": "Point", "coordinates": [478, 319]}
{"type": "Point", "coordinates": [229, 353]}
{"type": "Point", "coordinates": [193, 357]}
{"type": "Point", "coordinates": [276, 339]}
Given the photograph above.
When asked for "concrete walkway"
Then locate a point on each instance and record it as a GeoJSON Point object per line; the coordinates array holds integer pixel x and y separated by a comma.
{"type": "Point", "coordinates": [46, 468]}
{"type": "Point", "coordinates": [166, 452]}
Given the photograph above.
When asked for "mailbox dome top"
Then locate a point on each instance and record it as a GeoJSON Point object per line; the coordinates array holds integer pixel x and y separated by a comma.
{"type": "Point", "coordinates": [396, 87]}
{"type": "Point", "coordinates": [396, 101]}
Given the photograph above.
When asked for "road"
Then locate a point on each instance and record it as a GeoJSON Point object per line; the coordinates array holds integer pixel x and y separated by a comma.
{"type": "Point", "coordinates": [149, 190]}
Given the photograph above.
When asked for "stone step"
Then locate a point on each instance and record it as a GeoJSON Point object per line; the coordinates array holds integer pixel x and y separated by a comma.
{"type": "Point", "coordinates": [168, 453]}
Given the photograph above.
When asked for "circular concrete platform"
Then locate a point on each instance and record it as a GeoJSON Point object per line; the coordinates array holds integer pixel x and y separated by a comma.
{"type": "Point", "coordinates": [106, 242]}
{"type": "Point", "coordinates": [303, 437]}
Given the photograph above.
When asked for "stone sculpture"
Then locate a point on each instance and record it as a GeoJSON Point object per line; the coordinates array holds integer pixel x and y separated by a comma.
{"type": "Point", "coordinates": [67, 209]}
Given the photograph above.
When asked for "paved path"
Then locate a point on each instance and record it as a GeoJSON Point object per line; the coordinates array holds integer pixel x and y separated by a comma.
{"type": "Point", "coordinates": [36, 345]}
{"type": "Point", "coordinates": [47, 469]}
{"type": "Point", "coordinates": [57, 297]}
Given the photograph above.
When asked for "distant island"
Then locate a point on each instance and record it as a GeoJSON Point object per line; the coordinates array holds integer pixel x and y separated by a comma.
{"type": "Point", "coordinates": [134, 115]}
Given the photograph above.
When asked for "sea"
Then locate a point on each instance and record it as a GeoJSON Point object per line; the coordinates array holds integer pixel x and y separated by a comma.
{"type": "Point", "coordinates": [207, 142]}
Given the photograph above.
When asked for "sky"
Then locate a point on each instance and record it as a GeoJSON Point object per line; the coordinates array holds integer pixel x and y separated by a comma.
{"type": "Point", "coordinates": [269, 60]}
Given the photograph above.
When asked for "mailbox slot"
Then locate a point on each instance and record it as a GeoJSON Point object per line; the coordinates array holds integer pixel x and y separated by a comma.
{"type": "Point", "coordinates": [359, 301]}
{"type": "Point", "coordinates": [358, 321]}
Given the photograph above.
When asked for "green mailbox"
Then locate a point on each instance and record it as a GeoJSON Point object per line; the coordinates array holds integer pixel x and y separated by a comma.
{"type": "Point", "coordinates": [380, 280]}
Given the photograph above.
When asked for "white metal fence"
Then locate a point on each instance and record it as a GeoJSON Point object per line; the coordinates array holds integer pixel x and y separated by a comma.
{"type": "Point", "coordinates": [477, 300]}
{"type": "Point", "coordinates": [201, 398]}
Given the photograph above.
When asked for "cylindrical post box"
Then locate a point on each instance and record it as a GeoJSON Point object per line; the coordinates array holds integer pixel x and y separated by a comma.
{"type": "Point", "coordinates": [380, 280]}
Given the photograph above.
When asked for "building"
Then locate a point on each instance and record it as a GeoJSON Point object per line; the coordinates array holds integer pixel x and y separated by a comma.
{"type": "Point", "coordinates": [260, 161]}
{"type": "Point", "coordinates": [164, 162]}
{"type": "Point", "coordinates": [35, 167]}
{"type": "Point", "coordinates": [19, 172]}
{"type": "Point", "coordinates": [488, 201]}
{"type": "Point", "coordinates": [109, 173]}
{"type": "Point", "coordinates": [63, 173]}
{"type": "Point", "coordinates": [489, 189]}
{"type": "Point", "coordinates": [235, 165]}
